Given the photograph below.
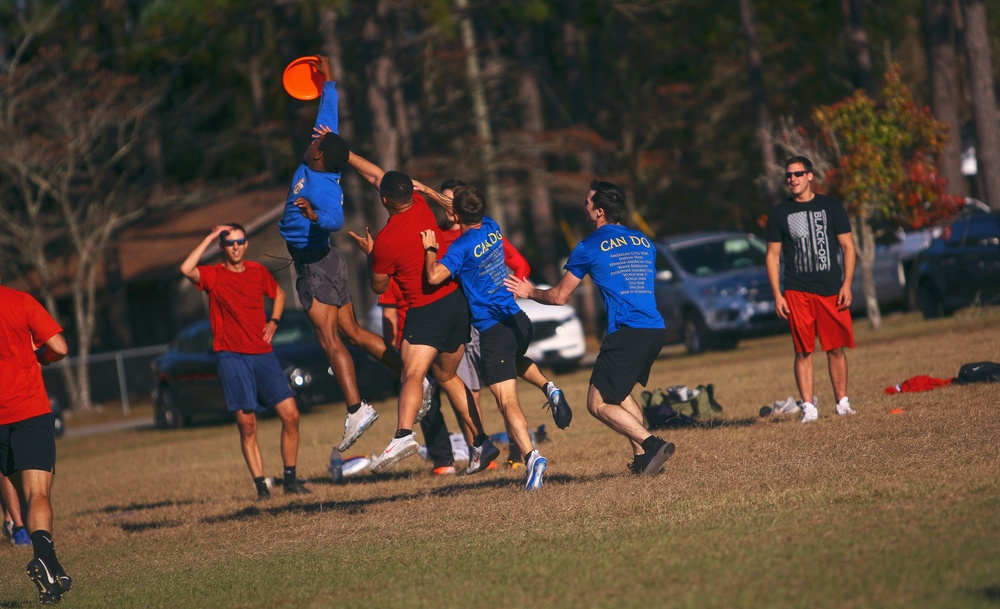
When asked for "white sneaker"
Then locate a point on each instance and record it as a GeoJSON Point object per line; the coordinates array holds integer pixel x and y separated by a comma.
{"type": "Point", "coordinates": [356, 424]}
{"type": "Point", "coordinates": [430, 385]}
{"type": "Point", "coordinates": [809, 412]}
{"type": "Point", "coordinates": [535, 471]}
{"type": "Point", "coordinates": [480, 458]}
{"type": "Point", "coordinates": [398, 449]}
{"type": "Point", "coordinates": [844, 407]}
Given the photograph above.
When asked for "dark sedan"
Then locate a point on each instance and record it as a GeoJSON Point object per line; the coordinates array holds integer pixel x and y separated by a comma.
{"type": "Point", "coordinates": [186, 378]}
{"type": "Point", "coordinates": [962, 267]}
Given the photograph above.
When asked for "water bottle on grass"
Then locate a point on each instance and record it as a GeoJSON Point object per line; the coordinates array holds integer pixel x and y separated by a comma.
{"type": "Point", "coordinates": [336, 466]}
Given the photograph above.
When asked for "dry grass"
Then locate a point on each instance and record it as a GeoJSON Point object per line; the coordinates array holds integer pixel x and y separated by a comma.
{"type": "Point", "coordinates": [874, 510]}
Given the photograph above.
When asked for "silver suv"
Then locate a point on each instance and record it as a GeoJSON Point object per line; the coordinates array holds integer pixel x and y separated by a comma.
{"type": "Point", "coordinates": [712, 289]}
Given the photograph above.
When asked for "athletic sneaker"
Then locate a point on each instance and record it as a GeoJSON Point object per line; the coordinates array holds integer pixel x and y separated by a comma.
{"type": "Point", "coordinates": [444, 470]}
{"type": "Point", "coordinates": [356, 424]}
{"type": "Point", "coordinates": [844, 407]}
{"type": "Point", "coordinates": [263, 495]}
{"type": "Point", "coordinates": [20, 538]}
{"type": "Point", "coordinates": [635, 467]}
{"type": "Point", "coordinates": [481, 458]}
{"type": "Point", "coordinates": [561, 412]}
{"type": "Point", "coordinates": [512, 464]}
{"type": "Point", "coordinates": [397, 450]}
{"type": "Point", "coordinates": [65, 581]}
{"type": "Point", "coordinates": [809, 412]}
{"type": "Point", "coordinates": [425, 399]}
{"type": "Point", "coordinates": [49, 589]}
{"type": "Point", "coordinates": [654, 459]}
{"type": "Point", "coordinates": [536, 469]}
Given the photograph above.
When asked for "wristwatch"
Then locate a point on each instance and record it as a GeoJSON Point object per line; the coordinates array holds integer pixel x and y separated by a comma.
{"type": "Point", "coordinates": [432, 248]}
{"type": "Point", "coordinates": [275, 321]}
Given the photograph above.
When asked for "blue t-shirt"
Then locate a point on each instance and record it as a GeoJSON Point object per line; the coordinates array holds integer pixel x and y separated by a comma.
{"type": "Point", "coordinates": [622, 263]}
{"type": "Point", "coordinates": [320, 188]}
{"type": "Point", "coordinates": [476, 260]}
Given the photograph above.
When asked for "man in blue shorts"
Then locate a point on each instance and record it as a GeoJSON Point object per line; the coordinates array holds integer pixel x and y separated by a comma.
{"type": "Point", "coordinates": [250, 373]}
{"type": "Point", "coordinates": [621, 263]}
{"type": "Point", "coordinates": [314, 209]}
{"type": "Point", "coordinates": [476, 259]}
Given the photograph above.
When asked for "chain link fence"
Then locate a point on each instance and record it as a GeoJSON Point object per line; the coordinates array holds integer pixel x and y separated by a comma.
{"type": "Point", "coordinates": [118, 376]}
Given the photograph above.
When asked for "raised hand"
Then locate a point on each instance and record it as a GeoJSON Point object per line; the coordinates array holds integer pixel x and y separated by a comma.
{"type": "Point", "coordinates": [366, 243]}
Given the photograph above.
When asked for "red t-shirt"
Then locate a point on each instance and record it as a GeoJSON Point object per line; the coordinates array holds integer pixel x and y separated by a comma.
{"type": "Point", "coordinates": [24, 325]}
{"type": "Point", "coordinates": [518, 264]}
{"type": "Point", "coordinates": [236, 306]}
{"type": "Point", "coordinates": [399, 253]}
{"type": "Point", "coordinates": [393, 298]}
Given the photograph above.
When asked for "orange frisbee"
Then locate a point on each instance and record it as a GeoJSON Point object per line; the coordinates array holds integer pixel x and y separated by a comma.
{"type": "Point", "coordinates": [302, 80]}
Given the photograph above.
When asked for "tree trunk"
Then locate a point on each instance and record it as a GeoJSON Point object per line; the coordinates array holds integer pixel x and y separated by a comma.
{"type": "Point", "coordinates": [765, 127]}
{"type": "Point", "coordinates": [942, 68]}
{"type": "Point", "coordinates": [255, 46]}
{"type": "Point", "coordinates": [386, 149]}
{"type": "Point", "coordinates": [358, 195]}
{"type": "Point", "coordinates": [864, 242]}
{"type": "Point", "coordinates": [481, 117]}
{"type": "Point", "coordinates": [857, 44]}
{"type": "Point", "coordinates": [984, 104]}
{"type": "Point", "coordinates": [539, 198]}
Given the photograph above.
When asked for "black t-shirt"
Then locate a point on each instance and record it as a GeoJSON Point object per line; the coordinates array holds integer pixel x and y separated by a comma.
{"type": "Point", "coordinates": [808, 236]}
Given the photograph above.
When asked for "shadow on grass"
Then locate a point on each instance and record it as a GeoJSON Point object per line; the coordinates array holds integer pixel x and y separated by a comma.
{"type": "Point", "coordinates": [129, 509]}
{"type": "Point", "coordinates": [139, 527]}
{"type": "Point", "coordinates": [14, 604]}
{"type": "Point", "coordinates": [990, 593]}
{"type": "Point", "coordinates": [358, 506]}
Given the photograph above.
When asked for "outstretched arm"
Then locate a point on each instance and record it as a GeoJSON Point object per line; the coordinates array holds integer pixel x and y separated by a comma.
{"type": "Point", "coordinates": [190, 265]}
{"type": "Point", "coordinates": [328, 115]}
{"type": "Point", "coordinates": [442, 200]}
{"type": "Point", "coordinates": [559, 295]}
{"type": "Point", "coordinates": [369, 171]}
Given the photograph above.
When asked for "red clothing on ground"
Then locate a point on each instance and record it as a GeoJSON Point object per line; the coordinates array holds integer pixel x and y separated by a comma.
{"type": "Point", "coordinates": [918, 383]}
{"type": "Point", "coordinates": [519, 266]}
{"type": "Point", "coordinates": [236, 306]}
{"type": "Point", "coordinates": [399, 253]}
{"type": "Point", "coordinates": [24, 326]}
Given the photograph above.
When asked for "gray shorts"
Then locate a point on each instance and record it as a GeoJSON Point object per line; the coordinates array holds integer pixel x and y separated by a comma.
{"type": "Point", "coordinates": [468, 368]}
{"type": "Point", "coordinates": [322, 275]}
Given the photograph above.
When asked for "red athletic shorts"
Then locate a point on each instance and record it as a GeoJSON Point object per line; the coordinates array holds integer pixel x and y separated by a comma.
{"type": "Point", "coordinates": [811, 314]}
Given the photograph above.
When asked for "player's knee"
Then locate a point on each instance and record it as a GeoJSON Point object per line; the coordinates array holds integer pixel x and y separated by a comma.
{"type": "Point", "coordinates": [837, 353]}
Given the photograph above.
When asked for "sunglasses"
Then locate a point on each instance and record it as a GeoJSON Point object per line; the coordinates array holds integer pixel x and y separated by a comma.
{"type": "Point", "coordinates": [232, 242]}
{"type": "Point", "coordinates": [798, 174]}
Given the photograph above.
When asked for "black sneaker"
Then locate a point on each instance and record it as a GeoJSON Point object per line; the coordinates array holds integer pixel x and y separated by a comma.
{"type": "Point", "coordinates": [65, 581]}
{"type": "Point", "coordinates": [635, 467]}
{"type": "Point", "coordinates": [657, 457]}
{"type": "Point", "coordinates": [263, 495]}
{"type": "Point", "coordinates": [49, 589]}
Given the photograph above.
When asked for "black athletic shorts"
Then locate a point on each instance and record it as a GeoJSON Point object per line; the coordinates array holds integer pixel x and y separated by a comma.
{"type": "Point", "coordinates": [321, 275]}
{"type": "Point", "coordinates": [626, 356]}
{"type": "Point", "coordinates": [28, 444]}
{"type": "Point", "coordinates": [442, 324]}
{"type": "Point", "coordinates": [500, 345]}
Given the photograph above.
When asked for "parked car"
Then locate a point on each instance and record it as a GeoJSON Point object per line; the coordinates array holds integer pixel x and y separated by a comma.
{"type": "Point", "coordinates": [712, 289]}
{"type": "Point", "coordinates": [557, 340]}
{"type": "Point", "coordinates": [962, 266]}
{"type": "Point", "coordinates": [186, 378]}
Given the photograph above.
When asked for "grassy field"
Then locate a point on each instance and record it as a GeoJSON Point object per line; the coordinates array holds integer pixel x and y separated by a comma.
{"type": "Point", "coordinates": [877, 510]}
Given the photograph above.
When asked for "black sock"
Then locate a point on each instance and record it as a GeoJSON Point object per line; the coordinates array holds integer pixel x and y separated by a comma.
{"type": "Point", "coordinates": [478, 440]}
{"type": "Point", "coordinates": [261, 485]}
{"type": "Point", "coordinates": [402, 433]}
{"type": "Point", "coordinates": [289, 473]}
{"type": "Point", "coordinates": [353, 408]}
{"type": "Point", "coordinates": [41, 543]}
{"type": "Point", "coordinates": [526, 457]}
{"type": "Point", "coordinates": [650, 443]}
